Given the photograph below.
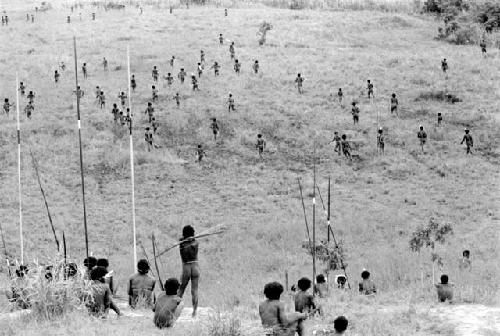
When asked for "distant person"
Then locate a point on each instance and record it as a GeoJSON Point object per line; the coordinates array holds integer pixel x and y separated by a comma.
{"type": "Point", "coordinates": [200, 153]}
{"type": "Point", "coordinates": [84, 70]}
{"type": "Point", "coordinates": [346, 147]}
{"type": "Point", "coordinates": [97, 93]}
{"type": "Point", "coordinates": [31, 96]}
{"type": "Point", "coordinates": [155, 73]}
{"type": "Point", "coordinates": [422, 137]}
{"type": "Point", "coordinates": [22, 88]}
{"type": "Point", "coordinates": [237, 66]}
{"type": "Point", "coordinates": [465, 262]}
{"type": "Point", "coordinates": [337, 139]}
{"type": "Point", "coordinates": [182, 75]}
{"type": "Point", "coordinates": [105, 63]}
{"type": "Point", "coordinates": [230, 103]}
{"type": "Point", "coordinates": [341, 281]}
{"type": "Point", "coordinates": [148, 137]}
{"type": "Point", "coordinates": [355, 113]}
{"type": "Point", "coordinates": [380, 141]}
{"type": "Point", "coordinates": [440, 118]}
{"type": "Point", "coordinates": [272, 313]}
{"type": "Point", "coordinates": [231, 50]}
{"type": "Point", "coordinates": [394, 104]}
{"type": "Point", "coordinates": [102, 298]}
{"type": "Point", "coordinates": [29, 110]}
{"type": "Point", "coordinates": [444, 65]}
{"type": "Point", "coordinates": [194, 83]}
{"type": "Point", "coordinates": [367, 286]}
{"type": "Point", "coordinates": [170, 79]}
{"type": "Point", "coordinates": [202, 57]}
{"type": "Point", "coordinates": [200, 70]}
{"type": "Point", "coordinates": [340, 97]}
{"type": "Point", "coordinates": [177, 99]}
{"type": "Point", "coordinates": [133, 83]}
{"type": "Point", "coordinates": [108, 278]}
{"type": "Point", "coordinates": [154, 124]}
{"type": "Point", "coordinates": [172, 61]}
{"type": "Point", "coordinates": [304, 303]}
{"type": "Point", "coordinates": [190, 269]}
{"type": "Point", "coordinates": [150, 110]}
{"type": "Point", "coordinates": [79, 92]}
{"type": "Point", "coordinates": [444, 290]}
{"type": "Point", "coordinates": [32, 18]}
{"type": "Point", "coordinates": [215, 128]}
{"type": "Point", "coordinates": [141, 286]}
{"type": "Point", "coordinates": [321, 287]}
{"type": "Point", "coordinates": [299, 81]}
{"type": "Point", "coordinates": [221, 39]}
{"type": "Point", "coordinates": [260, 145]}
{"type": "Point", "coordinates": [168, 306]}
{"type": "Point", "coordinates": [6, 106]}
{"type": "Point", "coordinates": [216, 68]}
{"type": "Point", "coordinates": [370, 89]}
{"type": "Point", "coordinates": [340, 325]}
{"type": "Point", "coordinates": [468, 142]}
{"type": "Point", "coordinates": [102, 100]}
{"type": "Point", "coordinates": [123, 98]}
{"type": "Point", "coordinates": [56, 76]}
{"type": "Point", "coordinates": [483, 47]}
{"type": "Point", "coordinates": [255, 67]}
{"type": "Point", "coordinates": [116, 112]}
{"type": "Point", "coordinates": [154, 93]}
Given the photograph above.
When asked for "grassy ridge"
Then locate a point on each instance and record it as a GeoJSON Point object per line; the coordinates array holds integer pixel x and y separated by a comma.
{"type": "Point", "coordinates": [259, 201]}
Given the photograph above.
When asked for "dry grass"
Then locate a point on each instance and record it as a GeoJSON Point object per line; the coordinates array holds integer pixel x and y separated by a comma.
{"type": "Point", "coordinates": [377, 201]}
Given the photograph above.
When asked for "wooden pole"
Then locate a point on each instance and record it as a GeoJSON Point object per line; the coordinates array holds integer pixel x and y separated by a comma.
{"type": "Point", "coordinates": [81, 151]}
{"type": "Point", "coordinates": [328, 215]}
{"type": "Point", "coordinates": [304, 209]}
{"type": "Point", "coordinates": [314, 215]}
{"type": "Point", "coordinates": [64, 249]}
{"type": "Point", "coordinates": [153, 241]}
{"type": "Point", "coordinates": [21, 240]}
{"type": "Point", "coordinates": [132, 175]}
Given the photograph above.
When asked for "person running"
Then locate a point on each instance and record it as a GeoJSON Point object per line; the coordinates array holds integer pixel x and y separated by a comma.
{"type": "Point", "coordinates": [340, 96]}
{"type": "Point", "coordinates": [182, 75]}
{"type": "Point", "coordinates": [155, 74]}
{"type": "Point", "coordinates": [172, 60]}
{"type": "Point", "coordinates": [141, 286]}
{"type": "Point", "coordinates": [230, 103]}
{"type": "Point", "coordinates": [237, 66]}
{"type": "Point", "coordinates": [468, 142]}
{"type": "Point", "coordinates": [22, 88]}
{"type": "Point", "coordinates": [133, 83]}
{"type": "Point", "coordinates": [148, 137]}
{"type": "Point", "coordinates": [56, 76]}
{"type": "Point", "coordinates": [116, 112]}
{"type": "Point", "coordinates": [260, 145]}
{"type": "Point", "coordinates": [422, 137]}
{"type": "Point", "coordinates": [346, 147]}
{"type": "Point", "coordinates": [355, 113]}
{"type": "Point", "coordinates": [444, 65]}
{"type": "Point", "coordinates": [299, 80]}
{"type": "Point", "coordinates": [394, 104]}
{"type": "Point", "coordinates": [170, 79]}
{"type": "Point", "coordinates": [216, 68]}
{"type": "Point", "coordinates": [370, 89]}
{"type": "Point", "coordinates": [177, 99]}
{"type": "Point", "coordinates": [231, 50]}
{"type": "Point", "coordinates": [483, 47]}
{"type": "Point", "coordinates": [29, 110]}
{"type": "Point", "coordinates": [337, 139]}
{"type": "Point", "coordinates": [194, 83]}
{"type": "Point", "coordinates": [200, 70]}
{"type": "Point", "coordinates": [123, 98]}
{"type": "Point", "coordinates": [255, 67]}
{"type": "Point", "coordinates": [380, 141]}
{"type": "Point", "coordinates": [221, 39]}
{"type": "Point", "coordinates": [190, 269]}
{"type": "Point", "coordinates": [200, 154]}
{"type": "Point", "coordinates": [215, 128]}
{"type": "Point", "coordinates": [440, 118]}
{"type": "Point", "coordinates": [150, 111]}
{"type": "Point", "coordinates": [154, 93]}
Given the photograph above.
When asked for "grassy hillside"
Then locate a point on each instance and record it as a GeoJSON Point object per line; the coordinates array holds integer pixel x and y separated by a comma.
{"type": "Point", "coordinates": [377, 201]}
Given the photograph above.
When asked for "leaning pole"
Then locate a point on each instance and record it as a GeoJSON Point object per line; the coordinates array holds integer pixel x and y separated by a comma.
{"type": "Point", "coordinates": [21, 240]}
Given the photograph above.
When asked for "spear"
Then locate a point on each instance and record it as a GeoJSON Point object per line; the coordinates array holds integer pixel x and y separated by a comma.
{"type": "Point", "coordinates": [328, 215]}
{"type": "Point", "coordinates": [64, 250]}
{"type": "Point", "coordinates": [156, 263]}
{"type": "Point", "coordinates": [314, 214]}
{"type": "Point", "coordinates": [81, 151]}
{"type": "Point", "coordinates": [35, 165]}
{"type": "Point", "coordinates": [304, 209]}
{"type": "Point", "coordinates": [19, 174]}
{"type": "Point", "coordinates": [132, 176]}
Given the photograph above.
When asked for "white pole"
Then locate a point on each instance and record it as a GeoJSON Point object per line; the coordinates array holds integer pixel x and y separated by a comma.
{"type": "Point", "coordinates": [131, 159]}
{"type": "Point", "coordinates": [19, 173]}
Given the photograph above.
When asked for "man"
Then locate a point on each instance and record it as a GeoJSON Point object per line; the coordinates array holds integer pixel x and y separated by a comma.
{"type": "Point", "coordinates": [304, 302]}
{"type": "Point", "coordinates": [169, 79]}
{"type": "Point", "coordinates": [31, 96]}
{"type": "Point", "coordinates": [215, 128]}
{"type": "Point", "coordinates": [216, 68]}
{"type": "Point", "coordinates": [190, 268]}
{"type": "Point", "coordinates": [149, 111]}
{"type": "Point", "coordinates": [168, 306]}
{"type": "Point", "coordinates": [483, 46]}
{"type": "Point", "coordinates": [468, 142]}
{"type": "Point", "coordinates": [29, 109]}
{"type": "Point", "coordinates": [444, 65]}
{"type": "Point", "coordinates": [202, 57]}
{"type": "Point", "coordinates": [123, 98]}
{"type": "Point", "coordinates": [102, 100]}
{"type": "Point", "coordinates": [255, 67]}
{"type": "Point", "coordinates": [299, 80]}
{"type": "Point", "coordinates": [154, 93]}
{"type": "Point", "coordinates": [172, 60]}
{"type": "Point", "coordinates": [346, 147]}
{"type": "Point", "coordinates": [465, 262]}
{"type": "Point", "coordinates": [148, 137]}
{"type": "Point", "coordinates": [115, 111]}
{"type": "Point", "coordinates": [260, 145]}
{"type": "Point", "coordinates": [367, 286]}
{"type": "Point", "coordinates": [237, 66]}
{"type": "Point", "coordinates": [440, 118]}
{"type": "Point", "coordinates": [380, 142]}
{"type": "Point", "coordinates": [221, 39]}
{"type": "Point", "coordinates": [105, 63]}
{"type": "Point", "coordinates": [340, 96]}
{"type": "Point", "coordinates": [84, 70]}
{"type": "Point", "coordinates": [200, 70]}
{"type": "Point", "coordinates": [355, 113]}
{"type": "Point", "coordinates": [141, 286]}
{"type": "Point", "coordinates": [56, 76]}
{"type": "Point", "coordinates": [182, 75]}
{"type": "Point", "coordinates": [394, 104]}
{"type": "Point", "coordinates": [177, 99]}
{"type": "Point", "coordinates": [133, 83]}
{"type": "Point", "coordinates": [370, 89]}
{"type": "Point", "coordinates": [194, 82]}
{"type": "Point", "coordinates": [422, 137]}
{"type": "Point", "coordinates": [200, 154]}
{"type": "Point", "coordinates": [79, 92]}
{"type": "Point", "coordinates": [22, 88]}
{"type": "Point", "coordinates": [155, 74]}
{"type": "Point", "coordinates": [444, 290]}
{"type": "Point", "coordinates": [230, 103]}
{"type": "Point", "coordinates": [154, 124]}
{"type": "Point", "coordinates": [231, 50]}
{"type": "Point", "coordinates": [102, 296]}
{"type": "Point", "coordinates": [337, 140]}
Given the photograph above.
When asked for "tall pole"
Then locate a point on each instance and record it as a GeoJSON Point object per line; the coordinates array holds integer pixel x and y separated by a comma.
{"type": "Point", "coordinates": [131, 159]}
{"type": "Point", "coordinates": [81, 151]}
{"type": "Point", "coordinates": [21, 240]}
{"type": "Point", "coordinates": [314, 214]}
{"type": "Point", "coordinates": [328, 215]}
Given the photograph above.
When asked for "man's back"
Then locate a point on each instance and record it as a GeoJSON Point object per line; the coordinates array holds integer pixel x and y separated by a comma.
{"type": "Point", "coordinates": [304, 302]}
{"type": "Point", "coordinates": [141, 285]}
{"type": "Point", "coordinates": [167, 309]}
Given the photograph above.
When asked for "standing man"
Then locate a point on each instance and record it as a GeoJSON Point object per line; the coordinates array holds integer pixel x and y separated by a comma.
{"type": "Point", "coordinates": [468, 141]}
{"type": "Point", "coordinates": [370, 89]}
{"type": "Point", "coordinates": [355, 113]}
{"type": "Point", "coordinates": [190, 268]}
{"type": "Point", "coordinates": [261, 144]}
{"type": "Point", "coordinates": [444, 65]}
{"type": "Point", "coordinates": [380, 141]}
{"type": "Point", "coordinates": [299, 80]}
{"type": "Point", "coordinates": [215, 128]}
{"type": "Point", "coordinates": [230, 103]}
{"type": "Point", "coordinates": [337, 140]}
{"type": "Point", "coordinates": [394, 104]}
{"type": "Point", "coordinates": [422, 137]}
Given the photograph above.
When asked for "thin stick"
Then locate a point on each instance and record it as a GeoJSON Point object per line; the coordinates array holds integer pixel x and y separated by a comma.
{"type": "Point", "coordinates": [184, 240]}
{"type": "Point", "coordinates": [328, 215]}
{"type": "Point", "coordinates": [156, 263]}
{"type": "Point", "coordinates": [64, 249]}
{"type": "Point", "coordinates": [21, 240]}
{"type": "Point", "coordinates": [132, 175]}
{"type": "Point", "coordinates": [81, 151]}
{"type": "Point", "coordinates": [304, 209]}
{"type": "Point", "coordinates": [35, 166]}
{"type": "Point", "coordinates": [314, 214]}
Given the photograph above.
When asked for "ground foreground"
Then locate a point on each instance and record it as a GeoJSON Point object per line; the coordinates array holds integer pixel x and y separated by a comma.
{"type": "Point", "coordinates": [377, 201]}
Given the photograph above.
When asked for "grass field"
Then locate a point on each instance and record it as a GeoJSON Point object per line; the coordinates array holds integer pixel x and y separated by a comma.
{"type": "Point", "coordinates": [377, 201]}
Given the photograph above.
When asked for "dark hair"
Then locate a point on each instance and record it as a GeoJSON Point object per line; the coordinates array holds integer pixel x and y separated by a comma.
{"type": "Point", "coordinates": [48, 272]}
{"type": "Point", "coordinates": [340, 324]}
{"type": "Point", "coordinates": [320, 278]}
{"type": "Point", "coordinates": [259, 135]}
{"type": "Point", "coordinates": [90, 262]}
{"type": "Point", "coordinates": [188, 230]}
{"type": "Point", "coordinates": [22, 271]}
{"type": "Point", "coordinates": [421, 127]}
{"type": "Point", "coordinates": [394, 95]}
{"type": "Point", "coordinates": [344, 136]}
{"type": "Point", "coordinates": [341, 279]}
{"type": "Point", "coordinates": [444, 279]}
{"type": "Point", "coordinates": [143, 266]}
{"type": "Point", "coordinates": [172, 286]}
{"type": "Point", "coordinates": [466, 253]}
{"type": "Point", "coordinates": [365, 275]}
{"type": "Point", "coordinates": [71, 269]}
{"type": "Point", "coordinates": [98, 273]}
{"type": "Point", "coordinates": [273, 290]}
{"type": "Point", "coordinates": [103, 262]}
{"type": "Point", "coordinates": [304, 284]}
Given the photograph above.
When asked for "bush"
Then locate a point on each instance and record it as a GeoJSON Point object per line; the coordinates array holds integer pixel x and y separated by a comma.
{"type": "Point", "coordinates": [488, 15]}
